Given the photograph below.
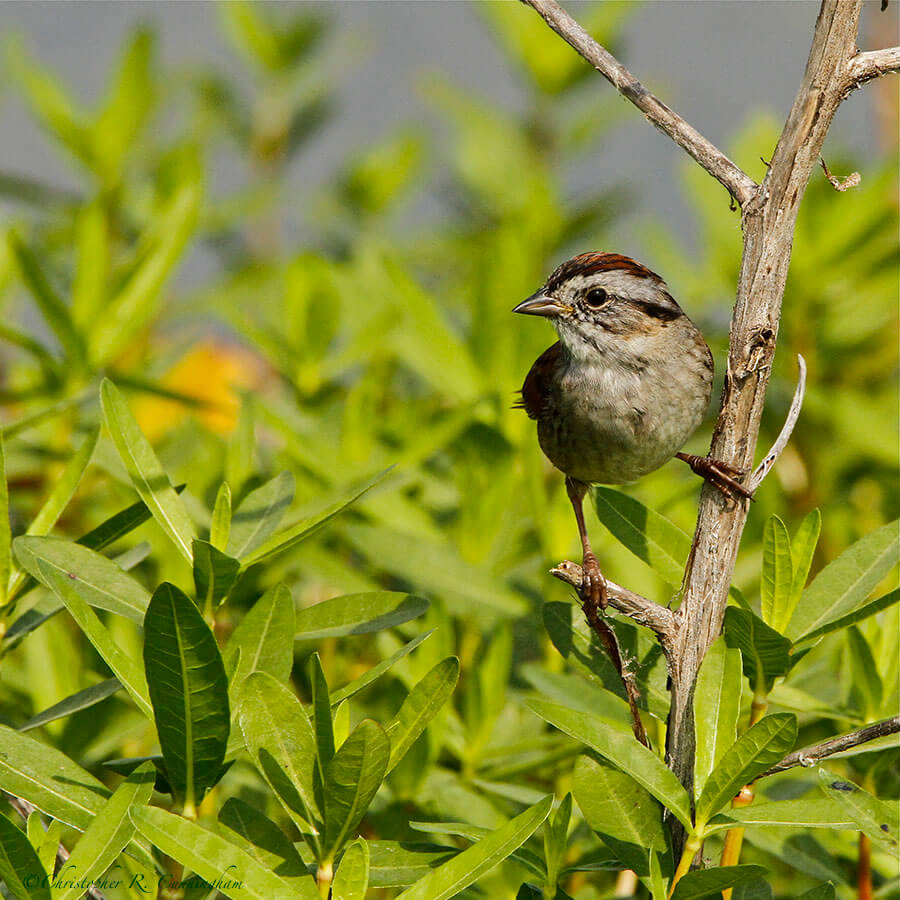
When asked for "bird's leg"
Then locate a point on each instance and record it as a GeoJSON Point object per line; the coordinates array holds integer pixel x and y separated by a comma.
{"type": "Point", "coordinates": [718, 473]}
{"type": "Point", "coordinates": [593, 584]}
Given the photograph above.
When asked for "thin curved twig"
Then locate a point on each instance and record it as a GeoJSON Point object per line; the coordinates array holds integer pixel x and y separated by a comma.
{"type": "Point", "coordinates": [786, 430]}
{"type": "Point", "coordinates": [738, 183]}
{"type": "Point", "coordinates": [809, 756]}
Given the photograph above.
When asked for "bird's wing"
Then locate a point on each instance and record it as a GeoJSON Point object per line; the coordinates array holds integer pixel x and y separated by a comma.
{"type": "Point", "coordinates": [536, 389]}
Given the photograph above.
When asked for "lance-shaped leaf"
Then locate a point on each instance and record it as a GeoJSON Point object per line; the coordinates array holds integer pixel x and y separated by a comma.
{"type": "Point", "coordinates": [812, 812]}
{"type": "Point", "coordinates": [220, 523]}
{"type": "Point", "coordinates": [803, 546]}
{"type": "Point", "coordinates": [261, 838]}
{"type": "Point", "coordinates": [259, 514]}
{"type": "Point", "coordinates": [765, 654]}
{"type": "Point", "coordinates": [350, 781]}
{"type": "Point", "coordinates": [615, 805]}
{"type": "Point", "coordinates": [264, 639]}
{"type": "Point", "coordinates": [218, 861]}
{"type": "Point", "coordinates": [74, 703]}
{"type": "Point", "coordinates": [323, 727]}
{"type": "Point", "coordinates": [421, 705]}
{"type": "Point", "coordinates": [846, 582]}
{"type": "Point", "coordinates": [282, 745]}
{"type": "Point", "coordinates": [305, 528]}
{"type": "Point", "coordinates": [357, 614]}
{"type": "Point", "coordinates": [109, 833]}
{"type": "Point", "coordinates": [123, 666]}
{"type": "Point", "coordinates": [97, 580]}
{"type": "Point", "coordinates": [857, 615]}
{"type": "Point", "coordinates": [777, 574]}
{"type": "Point", "coordinates": [144, 469]}
{"type": "Point", "coordinates": [189, 691]}
{"type": "Point", "coordinates": [556, 843]}
{"type": "Point", "coordinates": [756, 750]}
{"type": "Point", "coordinates": [717, 704]}
{"type": "Point", "coordinates": [709, 883]}
{"type": "Point", "coordinates": [623, 751]}
{"type": "Point", "coordinates": [400, 863]}
{"type": "Point", "coordinates": [352, 879]}
{"type": "Point", "coordinates": [20, 867]}
{"type": "Point", "coordinates": [453, 876]}
{"type": "Point", "coordinates": [652, 538]}
{"type": "Point", "coordinates": [215, 573]}
{"type": "Point", "coordinates": [876, 818]}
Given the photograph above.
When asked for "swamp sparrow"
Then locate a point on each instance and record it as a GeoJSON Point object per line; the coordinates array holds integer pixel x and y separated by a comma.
{"type": "Point", "coordinates": [625, 386]}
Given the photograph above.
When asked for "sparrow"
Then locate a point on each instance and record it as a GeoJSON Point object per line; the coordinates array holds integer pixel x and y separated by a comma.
{"type": "Point", "coordinates": [624, 387]}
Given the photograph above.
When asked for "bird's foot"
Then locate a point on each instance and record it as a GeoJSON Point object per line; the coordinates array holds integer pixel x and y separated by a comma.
{"type": "Point", "coordinates": [593, 584]}
{"type": "Point", "coordinates": [719, 474]}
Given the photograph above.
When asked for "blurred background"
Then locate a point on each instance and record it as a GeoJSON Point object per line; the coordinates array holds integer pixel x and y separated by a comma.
{"type": "Point", "coordinates": [293, 234]}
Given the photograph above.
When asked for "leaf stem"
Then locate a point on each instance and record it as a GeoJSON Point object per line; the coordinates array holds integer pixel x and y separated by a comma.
{"type": "Point", "coordinates": [691, 849]}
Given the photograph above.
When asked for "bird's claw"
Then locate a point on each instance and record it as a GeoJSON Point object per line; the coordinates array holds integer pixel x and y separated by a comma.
{"type": "Point", "coordinates": [593, 584]}
{"type": "Point", "coordinates": [720, 474]}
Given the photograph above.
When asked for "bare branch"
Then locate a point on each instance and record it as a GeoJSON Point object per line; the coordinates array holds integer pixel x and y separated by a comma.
{"type": "Point", "coordinates": [840, 184]}
{"type": "Point", "coordinates": [787, 429]}
{"type": "Point", "coordinates": [645, 612]}
{"type": "Point", "coordinates": [740, 185]}
{"type": "Point", "coordinates": [870, 64]}
{"type": "Point", "coordinates": [809, 756]}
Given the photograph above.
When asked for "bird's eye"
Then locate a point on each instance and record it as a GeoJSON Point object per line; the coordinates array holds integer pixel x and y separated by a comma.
{"type": "Point", "coordinates": [595, 297]}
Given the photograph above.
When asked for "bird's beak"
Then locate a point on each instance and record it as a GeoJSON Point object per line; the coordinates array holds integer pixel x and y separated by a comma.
{"type": "Point", "coordinates": [541, 304]}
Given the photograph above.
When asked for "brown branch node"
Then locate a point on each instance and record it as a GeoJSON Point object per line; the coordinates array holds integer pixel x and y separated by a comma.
{"type": "Point", "coordinates": [840, 184]}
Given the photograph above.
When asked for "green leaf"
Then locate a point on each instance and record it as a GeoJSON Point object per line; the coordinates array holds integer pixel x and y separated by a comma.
{"type": "Point", "coordinates": [64, 487]}
{"type": "Point", "coordinates": [220, 526]}
{"type": "Point", "coordinates": [845, 583]}
{"type": "Point", "coordinates": [282, 745]}
{"type": "Point", "coordinates": [98, 581]}
{"type": "Point", "coordinates": [352, 879]}
{"type": "Point", "coordinates": [264, 638]}
{"type": "Point", "coordinates": [651, 537]}
{"type": "Point", "coordinates": [321, 712]}
{"type": "Point", "coordinates": [305, 528]}
{"type": "Point", "coordinates": [357, 614]}
{"type": "Point", "coordinates": [717, 705]}
{"type": "Point", "coordinates": [878, 819]}
{"type": "Point", "coordinates": [805, 813]}
{"type": "Point", "coordinates": [858, 615]}
{"type": "Point", "coordinates": [822, 892]}
{"type": "Point", "coordinates": [421, 705]}
{"type": "Point", "coordinates": [377, 670]}
{"type": "Point", "coordinates": [399, 863]}
{"type": "Point", "coordinates": [123, 667]}
{"type": "Point", "coordinates": [215, 573]}
{"type": "Point", "coordinates": [144, 470]}
{"type": "Point", "coordinates": [453, 876]}
{"type": "Point", "coordinates": [189, 691]}
{"type": "Point", "coordinates": [20, 867]}
{"type": "Point", "coordinates": [92, 242]}
{"type": "Point", "coordinates": [765, 654]}
{"type": "Point", "coordinates": [5, 529]}
{"type": "Point", "coordinates": [777, 574]}
{"type": "Point", "coordinates": [623, 751]}
{"type": "Point", "coordinates": [108, 834]}
{"type": "Point", "coordinates": [865, 689]}
{"type": "Point", "coordinates": [758, 749]}
{"type": "Point", "coordinates": [351, 779]}
{"type": "Point", "coordinates": [74, 703]}
{"type": "Point", "coordinates": [556, 833]}
{"type": "Point", "coordinates": [54, 310]}
{"type": "Point", "coordinates": [235, 873]}
{"type": "Point", "coordinates": [129, 310]}
{"type": "Point", "coordinates": [259, 514]}
{"type": "Point", "coordinates": [48, 779]}
{"type": "Point", "coordinates": [614, 804]}
{"type": "Point", "coordinates": [262, 839]}
{"type": "Point", "coordinates": [45, 843]}
{"type": "Point", "coordinates": [803, 546]}
{"type": "Point", "coordinates": [711, 882]}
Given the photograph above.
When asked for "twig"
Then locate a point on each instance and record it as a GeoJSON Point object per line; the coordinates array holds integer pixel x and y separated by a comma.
{"type": "Point", "coordinates": [738, 183]}
{"type": "Point", "coordinates": [787, 429]}
{"type": "Point", "coordinates": [809, 756]}
{"type": "Point", "coordinates": [869, 64]}
{"type": "Point", "coordinates": [25, 809]}
{"type": "Point", "coordinates": [645, 612]}
{"type": "Point", "coordinates": [840, 184]}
